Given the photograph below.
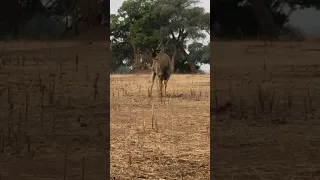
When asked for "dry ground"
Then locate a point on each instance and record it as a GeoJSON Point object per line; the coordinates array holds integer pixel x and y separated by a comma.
{"type": "Point", "coordinates": [177, 146]}
{"type": "Point", "coordinates": [63, 135]}
{"type": "Point", "coordinates": [271, 132]}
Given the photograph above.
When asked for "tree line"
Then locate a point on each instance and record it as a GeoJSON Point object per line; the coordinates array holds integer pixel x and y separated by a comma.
{"type": "Point", "coordinates": [249, 19]}
{"type": "Point", "coordinates": [15, 14]}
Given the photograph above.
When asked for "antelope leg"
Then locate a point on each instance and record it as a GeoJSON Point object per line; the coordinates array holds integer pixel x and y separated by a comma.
{"type": "Point", "coordinates": [153, 75]}
{"type": "Point", "coordinates": [165, 87]}
{"type": "Point", "coordinates": [160, 89]}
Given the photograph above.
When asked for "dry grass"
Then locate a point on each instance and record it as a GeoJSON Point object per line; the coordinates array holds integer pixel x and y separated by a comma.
{"type": "Point", "coordinates": [153, 140]}
{"type": "Point", "coordinates": [51, 126]}
{"type": "Point", "coordinates": [266, 125]}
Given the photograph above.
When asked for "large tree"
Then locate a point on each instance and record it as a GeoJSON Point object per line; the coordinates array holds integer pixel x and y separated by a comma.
{"type": "Point", "coordinates": [182, 21]}
{"type": "Point", "coordinates": [144, 24]}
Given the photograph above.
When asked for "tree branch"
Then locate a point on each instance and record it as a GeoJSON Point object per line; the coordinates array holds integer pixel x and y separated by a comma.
{"type": "Point", "coordinates": [173, 37]}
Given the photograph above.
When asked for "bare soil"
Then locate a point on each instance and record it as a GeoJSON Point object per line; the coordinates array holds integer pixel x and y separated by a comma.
{"type": "Point", "coordinates": [265, 110]}
{"type": "Point", "coordinates": [176, 146]}
{"type": "Point", "coordinates": [63, 135]}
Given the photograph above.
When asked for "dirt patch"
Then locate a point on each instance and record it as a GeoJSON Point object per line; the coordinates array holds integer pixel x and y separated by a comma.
{"type": "Point", "coordinates": [50, 124]}
{"type": "Point", "coordinates": [269, 130]}
{"type": "Point", "coordinates": [176, 146]}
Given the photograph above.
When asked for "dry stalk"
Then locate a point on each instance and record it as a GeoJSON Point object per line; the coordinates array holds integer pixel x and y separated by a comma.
{"type": "Point", "coordinates": [290, 96]}
{"type": "Point", "coordinates": [305, 109]}
{"type": "Point", "coordinates": [19, 119]}
{"type": "Point", "coordinates": [95, 86]}
{"type": "Point", "coordinates": [60, 72]}
{"type": "Point", "coordinates": [215, 95]}
{"type": "Point", "coordinates": [231, 95]}
{"type": "Point", "coordinates": [10, 60]}
{"type": "Point", "coordinates": [9, 95]}
{"type": "Point", "coordinates": [100, 133]}
{"type": "Point", "coordinates": [52, 91]}
{"type": "Point", "coordinates": [309, 98]}
{"type": "Point", "coordinates": [18, 61]}
{"type": "Point", "coordinates": [29, 143]}
{"type": "Point", "coordinates": [65, 162]}
{"type": "Point", "coordinates": [36, 60]}
{"type": "Point", "coordinates": [77, 62]}
{"type": "Point", "coordinates": [255, 110]}
{"type": "Point", "coordinates": [27, 103]}
{"type": "Point", "coordinates": [260, 98]}
{"type": "Point", "coordinates": [264, 63]}
{"type": "Point", "coordinates": [129, 159]}
{"type": "Point", "coordinates": [82, 177]}
{"type": "Point", "coordinates": [16, 143]}
{"type": "Point", "coordinates": [242, 109]}
{"type": "Point", "coordinates": [152, 117]}
{"type": "Point", "coordinates": [40, 81]}
{"type": "Point", "coordinates": [2, 141]}
{"type": "Point", "coordinates": [144, 124]}
{"type": "Point", "coordinates": [284, 109]}
{"type": "Point", "coordinates": [11, 108]}
{"type": "Point", "coordinates": [278, 108]}
{"type": "Point", "coordinates": [87, 72]}
{"type": "Point", "coordinates": [192, 93]}
{"type": "Point", "coordinates": [69, 103]}
{"type": "Point", "coordinates": [52, 73]}
{"type": "Point", "coordinates": [54, 114]}
{"type": "Point", "coordinates": [23, 60]}
{"type": "Point", "coordinates": [42, 96]}
{"type": "Point", "coordinates": [3, 62]}
{"type": "Point", "coordinates": [272, 100]}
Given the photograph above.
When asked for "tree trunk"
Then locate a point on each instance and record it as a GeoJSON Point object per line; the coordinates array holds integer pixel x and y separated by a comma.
{"type": "Point", "coordinates": [190, 63]}
{"type": "Point", "coordinates": [264, 17]}
{"type": "Point", "coordinates": [173, 58]}
{"type": "Point", "coordinates": [148, 56]}
{"type": "Point", "coordinates": [136, 51]}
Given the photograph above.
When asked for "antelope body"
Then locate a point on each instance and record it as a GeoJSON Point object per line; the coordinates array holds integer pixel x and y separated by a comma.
{"type": "Point", "coordinates": [161, 68]}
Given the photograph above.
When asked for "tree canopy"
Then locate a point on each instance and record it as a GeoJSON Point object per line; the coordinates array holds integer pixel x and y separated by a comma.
{"type": "Point", "coordinates": [254, 16]}
{"type": "Point", "coordinates": [143, 24]}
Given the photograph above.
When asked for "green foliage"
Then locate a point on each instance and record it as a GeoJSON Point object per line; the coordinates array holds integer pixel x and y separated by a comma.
{"type": "Point", "coordinates": [182, 18]}
{"type": "Point", "coordinates": [121, 54]}
{"type": "Point", "coordinates": [123, 70]}
{"type": "Point", "coordinates": [199, 52]}
{"type": "Point", "coordinates": [41, 27]}
{"type": "Point", "coordinates": [15, 14]}
{"type": "Point", "coordinates": [143, 24]}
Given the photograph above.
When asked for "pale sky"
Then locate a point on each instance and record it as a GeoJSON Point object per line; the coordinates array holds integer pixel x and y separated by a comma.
{"type": "Point", "coordinates": [115, 5]}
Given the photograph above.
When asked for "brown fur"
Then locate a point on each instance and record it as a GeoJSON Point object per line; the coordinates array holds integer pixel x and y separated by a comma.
{"type": "Point", "coordinates": [161, 68]}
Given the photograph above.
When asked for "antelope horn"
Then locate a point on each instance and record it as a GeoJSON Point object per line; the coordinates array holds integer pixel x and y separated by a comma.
{"type": "Point", "coordinates": [160, 44]}
{"type": "Point", "coordinates": [166, 44]}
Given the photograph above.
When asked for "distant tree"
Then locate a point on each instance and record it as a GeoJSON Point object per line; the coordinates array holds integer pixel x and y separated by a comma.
{"type": "Point", "coordinates": [199, 53]}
